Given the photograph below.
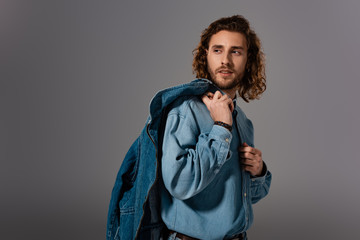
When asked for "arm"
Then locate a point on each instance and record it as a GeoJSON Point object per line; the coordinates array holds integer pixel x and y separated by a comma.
{"type": "Point", "coordinates": [192, 159]}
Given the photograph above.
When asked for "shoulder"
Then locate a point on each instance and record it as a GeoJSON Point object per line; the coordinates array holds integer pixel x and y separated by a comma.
{"type": "Point", "coordinates": [185, 105]}
{"type": "Point", "coordinates": [189, 114]}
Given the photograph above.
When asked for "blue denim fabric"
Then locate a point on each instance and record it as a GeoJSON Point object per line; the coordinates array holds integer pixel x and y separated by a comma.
{"type": "Point", "coordinates": [134, 209]}
{"type": "Point", "coordinates": [173, 236]}
{"type": "Point", "coordinates": [204, 182]}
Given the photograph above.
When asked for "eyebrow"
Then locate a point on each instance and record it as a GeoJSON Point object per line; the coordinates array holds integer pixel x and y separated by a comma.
{"type": "Point", "coordinates": [232, 47]}
{"type": "Point", "coordinates": [238, 47]}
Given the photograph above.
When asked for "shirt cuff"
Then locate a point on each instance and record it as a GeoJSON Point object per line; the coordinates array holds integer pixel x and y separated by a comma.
{"type": "Point", "coordinates": [220, 133]}
{"type": "Point", "coordinates": [224, 137]}
{"type": "Point", "coordinates": [261, 177]}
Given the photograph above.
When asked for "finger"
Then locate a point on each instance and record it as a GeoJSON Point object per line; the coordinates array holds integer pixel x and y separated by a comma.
{"type": "Point", "coordinates": [250, 169]}
{"type": "Point", "coordinates": [217, 95]}
{"type": "Point", "coordinates": [253, 150]}
{"type": "Point", "coordinates": [224, 97]}
{"type": "Point", "coordinates": [206, 100]}
{"type": "Point", "coordinates": [210, 95]}
{"type": "Point", "coordinates": [231, 104]}
{"type": "Point", "coordinates": [228, 100]}
{"type": "Point", "coordinates": [244, 165]}
{"type": "Point", "coordinates": [246, 149]}
{"type": "Point", "coordinates": [247, 161]}
{"type": "Point", "coordinates": [247, 155]}
{"type": "Point", "coordinates": [253, 162]}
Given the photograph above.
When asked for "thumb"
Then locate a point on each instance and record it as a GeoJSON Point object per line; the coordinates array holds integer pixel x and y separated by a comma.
{"type": "Point", "coordinates": [245, 144]}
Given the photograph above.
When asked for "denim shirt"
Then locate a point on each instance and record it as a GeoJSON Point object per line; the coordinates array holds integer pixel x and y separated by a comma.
{"type": "Point", "coordinates": [205, 185]}
{"type": "Point", "coordinates": [134, 209]}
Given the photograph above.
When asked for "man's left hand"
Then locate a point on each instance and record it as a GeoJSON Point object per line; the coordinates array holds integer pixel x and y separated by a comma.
{"type": "Point", "coordinates": [251, 159]}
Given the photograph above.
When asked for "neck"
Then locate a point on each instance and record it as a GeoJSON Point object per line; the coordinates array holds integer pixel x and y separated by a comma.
{"type": "Point", "coordinates": [230, 92]}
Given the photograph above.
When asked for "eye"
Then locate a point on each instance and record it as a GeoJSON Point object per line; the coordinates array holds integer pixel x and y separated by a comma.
{"type": "Point", "coordinates": [217, 51]}
{"type": "Point", "coordinates": [236, 52]}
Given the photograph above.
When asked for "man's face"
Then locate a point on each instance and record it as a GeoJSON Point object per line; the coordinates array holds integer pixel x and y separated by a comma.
{"type": "Point", "coordinates": [226, 58]}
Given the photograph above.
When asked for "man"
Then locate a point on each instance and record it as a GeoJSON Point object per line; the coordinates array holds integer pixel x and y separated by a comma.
{"type": "Point", "coordinates": [211, 173]}
{"type": "Point", "coordinates": [193, 172]}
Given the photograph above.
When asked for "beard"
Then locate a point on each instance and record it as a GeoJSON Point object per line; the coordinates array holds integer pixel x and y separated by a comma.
{"type": "Point", "coordinates": [225, 83]}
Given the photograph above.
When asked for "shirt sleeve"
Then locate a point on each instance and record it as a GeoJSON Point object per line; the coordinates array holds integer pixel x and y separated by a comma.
{"type": "Point", "coordinates": [191, 159]}
{"type": "Point", "coordinates": [260, 186]}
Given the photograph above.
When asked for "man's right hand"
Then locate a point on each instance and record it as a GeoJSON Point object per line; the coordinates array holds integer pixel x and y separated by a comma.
{"type": "Point", "coordinates": [220, 106]}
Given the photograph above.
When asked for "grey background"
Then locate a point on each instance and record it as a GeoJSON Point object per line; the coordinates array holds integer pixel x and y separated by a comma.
{"type": "Point", "coordinates": [77, 78]}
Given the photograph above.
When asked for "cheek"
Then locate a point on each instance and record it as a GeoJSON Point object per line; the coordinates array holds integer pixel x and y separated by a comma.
{"type": "Point", "coordinates": [212, 61]}
{"type": "Point", "coordinates": [241, 65]}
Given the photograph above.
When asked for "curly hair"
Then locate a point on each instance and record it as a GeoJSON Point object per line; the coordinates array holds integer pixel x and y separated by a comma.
{"type": "Point", "coordinates": [253, 84]}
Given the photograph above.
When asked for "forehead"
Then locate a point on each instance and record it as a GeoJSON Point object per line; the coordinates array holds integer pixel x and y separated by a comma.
{"type": "Point", "coordinates": [228, 39]}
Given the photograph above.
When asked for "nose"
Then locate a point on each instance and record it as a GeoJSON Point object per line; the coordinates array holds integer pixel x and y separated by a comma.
{"type": "Point", "coordinates": [226, 60]}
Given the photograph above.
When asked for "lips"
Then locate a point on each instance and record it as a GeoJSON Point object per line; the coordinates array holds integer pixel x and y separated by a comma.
{"type": "Point", "coordinates": [225, 71]}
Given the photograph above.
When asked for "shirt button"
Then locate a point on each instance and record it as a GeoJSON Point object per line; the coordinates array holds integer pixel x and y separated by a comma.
{"type": "Point", "coordinates": [244, 194]}
{"type": "Point", "coordinates": [226, 140]}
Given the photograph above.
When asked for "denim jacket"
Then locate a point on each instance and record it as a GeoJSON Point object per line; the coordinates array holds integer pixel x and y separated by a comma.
{"type": "Point", "coordinates": [134, 210]}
